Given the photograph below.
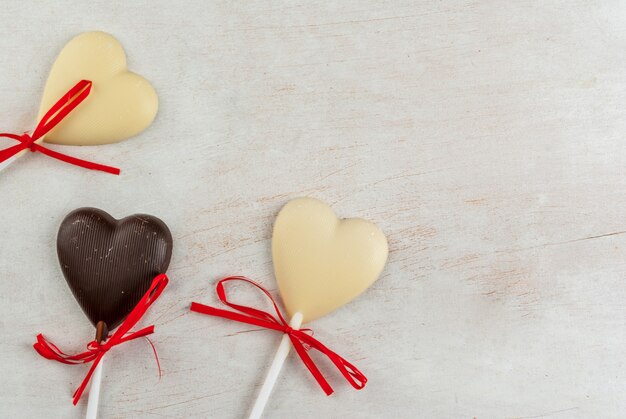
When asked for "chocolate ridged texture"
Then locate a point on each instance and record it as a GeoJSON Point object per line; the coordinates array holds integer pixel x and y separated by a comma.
{"type": "Point", "coordinates": [109, 264]}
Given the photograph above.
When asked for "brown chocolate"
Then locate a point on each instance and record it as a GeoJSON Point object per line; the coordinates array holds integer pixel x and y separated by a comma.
{"type": "Point", "coordinates": [109, 264]}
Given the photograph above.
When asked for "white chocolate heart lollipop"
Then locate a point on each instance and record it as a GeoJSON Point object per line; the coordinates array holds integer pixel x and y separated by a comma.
{"type": "Point", "coordinates": [103, 102]}
{"type": "Point", "coordinates": [322, 262]}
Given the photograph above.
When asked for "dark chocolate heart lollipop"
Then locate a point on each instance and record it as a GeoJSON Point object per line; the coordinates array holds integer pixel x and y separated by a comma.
{"type": "Point", "coordinates": [109, 264]}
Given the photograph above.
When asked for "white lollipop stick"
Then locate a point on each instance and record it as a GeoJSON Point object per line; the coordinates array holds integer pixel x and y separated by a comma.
{"type": "Point", "coordinates": [8, 161]}
{"type": "Point", "coordinates": [274, 372]}
{"type": "Point", "coordinates": [94, 392]}
{"type": "Point", "coordinates": [102, 333]}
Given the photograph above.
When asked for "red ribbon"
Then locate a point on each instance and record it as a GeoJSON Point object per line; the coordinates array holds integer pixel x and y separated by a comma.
{"type": "Point", "coordinates": [95, 351]}
{"type": "Point", "coordinates": [51, 119]}
{"type": "Point", "coordinates": [301, 340]}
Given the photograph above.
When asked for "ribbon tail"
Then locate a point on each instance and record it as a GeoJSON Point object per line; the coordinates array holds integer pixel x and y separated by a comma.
{"type": "Point", "coordinates": [77, 162]}
{"type": "Point", "coordinates": [156, 356]}
{"type": "Point", "coordinates": [138, 334]}
{"type": "Point", "coordinates": [306, 359]}
{"type": "Point", "coordinates": [79, 391]}
{"type": "Point", "coordinates": [7, 153]}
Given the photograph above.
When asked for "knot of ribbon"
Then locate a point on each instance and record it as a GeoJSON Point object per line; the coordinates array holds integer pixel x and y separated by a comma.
{"type": "Point", "coordinates": [28, 142]}
{"type": "Point", "coordinates": [51, 119]}
{"type": "Point", "coordinates": [96, 350]}
{"type": "Point", "coordinates": [302, 339]}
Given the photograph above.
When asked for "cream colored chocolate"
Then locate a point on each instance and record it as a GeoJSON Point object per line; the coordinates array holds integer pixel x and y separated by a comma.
{"type": "Point", "coordinates": [322, 262]}
{"type": "Point", "coordinates": [121, 104]}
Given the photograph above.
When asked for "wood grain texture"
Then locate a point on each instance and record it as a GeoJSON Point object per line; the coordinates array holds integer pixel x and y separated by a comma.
{"type": "Point", "coordinates": [485, 139]}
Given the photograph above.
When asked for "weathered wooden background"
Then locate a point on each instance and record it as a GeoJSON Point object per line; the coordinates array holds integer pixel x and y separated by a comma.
{"type": "Point", "coordinates": [487, 139]}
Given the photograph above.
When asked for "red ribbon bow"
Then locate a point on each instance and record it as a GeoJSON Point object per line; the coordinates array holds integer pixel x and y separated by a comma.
{"type": "Point", "coordinates": [301, 341]}
{"type": "Point", "coordinates": [95, 351]}
{"type": "Point", "coordinates": [51, 119]}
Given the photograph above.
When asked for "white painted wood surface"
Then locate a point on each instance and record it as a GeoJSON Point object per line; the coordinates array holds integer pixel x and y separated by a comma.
{"type": "Point", "coordinates": [487, 139]}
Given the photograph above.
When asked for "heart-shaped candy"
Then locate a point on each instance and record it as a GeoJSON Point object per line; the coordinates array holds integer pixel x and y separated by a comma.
{"type": "Point", "coordinates": [322, 262]}
{"type": "Point", "coordinates": [121, 104]}
{"type": "Point", "coordinates": [110, 264]}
